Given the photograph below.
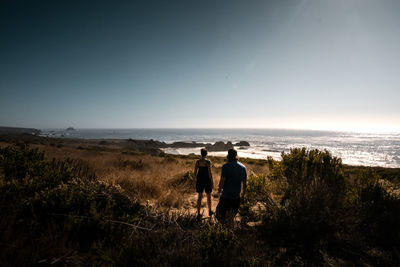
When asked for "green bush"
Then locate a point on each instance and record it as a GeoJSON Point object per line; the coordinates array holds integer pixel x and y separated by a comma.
{"type": "Point", "coordinates": [132, 164]}
{"type": "Point", "coordinates": [356, 184]}
{"type": "Point", "coordinates": [168, 158]}
{"type": "Point", "coordinates": [314, 178]}
{"type": "Point", "coordinates": [216, 244]}
{"type": "Point", "coordinates": [314, 193]}
{"type": "Point", "coordinates": [375, 210]}
{"type": "Point", "coordinates": [185, 181]}
{"type": "Point", "coordinates": [18, 162]}
{"type": "Point", "coordinates": [255, 192]}
{"type": "Point", "coordinates": [57, 200]}
{"type": "Point", "coordinates": [381, 217]}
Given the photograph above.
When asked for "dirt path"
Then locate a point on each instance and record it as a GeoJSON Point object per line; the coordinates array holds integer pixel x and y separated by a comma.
{"type": "Point", "coordinates": [192, 200]}
{"type": "Point", "coordinates": [191, 204]}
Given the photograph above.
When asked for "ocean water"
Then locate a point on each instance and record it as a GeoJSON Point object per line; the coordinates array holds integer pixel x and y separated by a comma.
{"type": "Point", "coordinates": [368, 149]}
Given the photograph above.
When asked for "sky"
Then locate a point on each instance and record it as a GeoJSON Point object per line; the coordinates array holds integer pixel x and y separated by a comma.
{"type": "Point", "coordinates": [302, 64]}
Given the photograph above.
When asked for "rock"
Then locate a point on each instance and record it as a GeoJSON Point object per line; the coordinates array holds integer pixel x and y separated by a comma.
{"type": "Point", "coordinates": [242, 143]}
{"type": "Point", "coordinates": [146, 145]}
{"type": "Point", "coordinates": [186, 145]}
{"type": "Point", "coordinates": [219, 146]}
{"type": "Point", "coordinates": [70, 129]}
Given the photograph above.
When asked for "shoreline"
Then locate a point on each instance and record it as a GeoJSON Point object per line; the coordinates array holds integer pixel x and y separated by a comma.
{"type": "Point", "coordinates": [124, 146]}
{"type": "Point", "coordinates": [354, 149]}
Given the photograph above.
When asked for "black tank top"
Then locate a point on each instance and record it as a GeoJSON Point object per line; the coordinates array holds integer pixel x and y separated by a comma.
{"type": "Point", "coordinates": [203, 173]}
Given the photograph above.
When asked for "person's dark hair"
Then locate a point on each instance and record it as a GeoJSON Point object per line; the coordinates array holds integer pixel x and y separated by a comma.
{"type": "Point", "coordinates": [232, 154]}
{"type": "Point", "coordinates": [203, 152]}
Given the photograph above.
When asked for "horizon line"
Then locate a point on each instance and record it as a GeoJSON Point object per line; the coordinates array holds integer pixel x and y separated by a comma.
{"type": "Point", "coordinates": [226, 128]}
{"type": "Point", "coordinates": [217, 128]}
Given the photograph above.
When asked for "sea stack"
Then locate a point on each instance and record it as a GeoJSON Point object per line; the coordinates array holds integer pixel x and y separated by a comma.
{"type": "Point", "coordinates": [219, 146]}
{"type": "Point", "coordinates": [242, 143]}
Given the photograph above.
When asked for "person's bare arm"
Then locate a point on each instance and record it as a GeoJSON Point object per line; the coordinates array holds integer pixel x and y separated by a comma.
{"type": "Point", "coordinates": [210, 173]}
{"type": "Point", "coordinates": [196, 168]}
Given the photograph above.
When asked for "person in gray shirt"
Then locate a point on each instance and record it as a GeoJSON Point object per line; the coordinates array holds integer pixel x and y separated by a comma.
{"type": "Point", "coordinates": [233, 175]}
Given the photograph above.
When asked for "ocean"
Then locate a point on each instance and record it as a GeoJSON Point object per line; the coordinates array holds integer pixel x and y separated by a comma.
{"type": "Point", "coordinates": [367, 149]}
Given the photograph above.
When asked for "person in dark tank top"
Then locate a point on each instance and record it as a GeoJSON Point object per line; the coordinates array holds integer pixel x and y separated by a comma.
{"type": "Point", "coordinates": [204, 181]}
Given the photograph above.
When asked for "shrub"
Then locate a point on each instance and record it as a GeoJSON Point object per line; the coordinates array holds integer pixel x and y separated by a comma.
{"type": "Point", "coordinates": [132, 164]}
{"type": "Point", "coordinates": [18, 162]}
{"type": "Point", "coordinates": [216, 244]}
{"type": "Point", "coordinates": [58, 200]}
{"type": "Point", "coordinates": [168, 158]}
{"type": "Point", "coordinates": [256, 192]}
{"type": "Point", "coordinates": [357, 183]}
{"type": "Point", "coordinates": [314, 194]}
{"type": "Point", "coordinates": [185, 181]}
{"type": "Point", "coordinates": [375, 211]}
{"type": "Point", "coordinates": [314, 178]}
{"type": "Point", "coordinates": [164, 248]}
{"type": "Point", "coordinates": [381, 217]}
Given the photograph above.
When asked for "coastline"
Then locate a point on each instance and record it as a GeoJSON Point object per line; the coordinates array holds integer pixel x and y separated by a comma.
{"type": "Point", "coordinates": [354, 149]}
{"type": "Point", "coordinates": [150, 147]}
{"type": "Point", "coordinates": [365, 149]}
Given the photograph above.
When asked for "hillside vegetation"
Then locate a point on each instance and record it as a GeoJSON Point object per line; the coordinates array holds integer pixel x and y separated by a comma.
{"type": "Point", "coordinates": [79, 206]}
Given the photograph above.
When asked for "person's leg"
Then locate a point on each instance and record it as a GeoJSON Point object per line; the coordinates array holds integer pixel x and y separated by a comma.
{"type": "Point", "coordinates": [229, 218]}
{"type": "Point", "coordinates": [209, 204]}
{"type": "Point", "coordinates": [233, 210]}
{"type": "Point", "coordinates": [220, 211]}
{"type": "Point", "coordinates": [208, 189]}
{"type": "Point", "coordinates": [199, 203]}
{"type": "Point", "coordinates": [209, 201]}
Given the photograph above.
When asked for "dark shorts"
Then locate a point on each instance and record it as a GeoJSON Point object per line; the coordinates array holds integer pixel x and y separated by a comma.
{"type": "Point", "coordinates": [203, 185]}
{"type": "Point", "coordinates": [227, 205]}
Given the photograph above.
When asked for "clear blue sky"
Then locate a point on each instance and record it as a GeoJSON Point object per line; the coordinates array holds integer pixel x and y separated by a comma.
{"type": "Point", "coordinates": [315, 64]}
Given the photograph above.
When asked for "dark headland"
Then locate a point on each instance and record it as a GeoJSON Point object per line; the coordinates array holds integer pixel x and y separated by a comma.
{"type": "Point", "coordinates": [17, 131]}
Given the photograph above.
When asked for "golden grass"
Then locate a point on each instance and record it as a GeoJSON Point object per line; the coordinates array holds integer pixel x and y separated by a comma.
{"type": "Point", "coordinates": [165, 181]}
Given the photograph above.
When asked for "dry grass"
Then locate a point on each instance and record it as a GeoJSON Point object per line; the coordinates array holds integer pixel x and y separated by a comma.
{"type": "Point", "coordinates": [165, 181]}
{"type": "Point", "coordinates": [360, 230]}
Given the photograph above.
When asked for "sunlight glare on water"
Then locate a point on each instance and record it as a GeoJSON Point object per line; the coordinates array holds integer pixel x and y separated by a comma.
{"type": "Point", "coordinates": [368, 149]}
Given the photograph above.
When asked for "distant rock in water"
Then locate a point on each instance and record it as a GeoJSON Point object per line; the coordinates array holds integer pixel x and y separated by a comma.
{"type": "Point", "coordinates": [242, 143]}
{"type": "Point", "coordinates": [70, 129]}
{"type": "Point", "coordinates": [147, 143]}
{"type": "Point", "coordinates": [219, 146]}
{"type": "Point", "coordinates": [144, 145]}
{"type": "Point", "coordinates": [187, 145]}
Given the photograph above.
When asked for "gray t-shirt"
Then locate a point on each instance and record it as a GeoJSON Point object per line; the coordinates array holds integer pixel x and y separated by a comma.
{"type": "Point", "coordinates": [234, 173]}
